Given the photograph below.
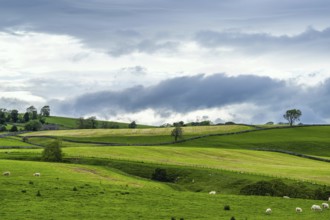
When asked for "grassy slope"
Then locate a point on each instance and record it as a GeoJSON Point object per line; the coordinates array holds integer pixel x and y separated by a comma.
{"type": "Point", "coordinates": [137, 136]}
{"type": "Point", "coordinates": [306, 140]}
{"type": "Point", "coordinates": [8, 142]}
{"type": "Point", "coordinates": [273, 164]}
{"type": "Point", "coordinates": [103, 194]}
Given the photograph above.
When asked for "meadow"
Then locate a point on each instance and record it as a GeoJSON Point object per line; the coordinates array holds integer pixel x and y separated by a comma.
{"type": "Point", "coordinates": [98, 181]}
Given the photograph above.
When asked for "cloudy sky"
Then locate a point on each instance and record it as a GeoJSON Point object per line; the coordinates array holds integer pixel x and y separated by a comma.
{"type": "Point", "coordinates": [158, 61]}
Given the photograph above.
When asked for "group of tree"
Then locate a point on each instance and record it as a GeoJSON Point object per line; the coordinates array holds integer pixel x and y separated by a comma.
{"type": "Point", "coordinates": [88, 123]}
{"type": "Point", "coordinates": [32, 120]}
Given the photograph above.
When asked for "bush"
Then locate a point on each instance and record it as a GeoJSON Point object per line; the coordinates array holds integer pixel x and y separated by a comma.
{"type": "Point", "coordinates": [3, 128]}
{"type": "Point", "coordinates": [33, 125]}
{"type": "Point", "coordinates": [277, 187]}
{"type": "Point", "coordinates": [160, 175]}
{"type": "Point", "coordinates": [226, 207]}
{"type": "Point", "coordinates": [233, 218]}
{"type": "Point", "coordinates": [14, 128]}
{"type": "Point", "coordinates": [38, 193]}
{"type": "Point", "coordinates": [53, 152]}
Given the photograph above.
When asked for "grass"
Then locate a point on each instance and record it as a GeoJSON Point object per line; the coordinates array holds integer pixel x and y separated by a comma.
{"type": "Point", "coordinates": [306, 140]}
{"type": "Point", "coordinates": [105, 194]}
{"type": "Point", "coordinates": [273, 164]}
{"type": "Point", "coordinates": [10, 142]}
{"type": "Point", "coordinates": [137, 136]}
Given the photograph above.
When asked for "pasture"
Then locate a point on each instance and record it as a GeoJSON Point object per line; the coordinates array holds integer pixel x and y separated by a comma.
{"type": "Point", "coordinates": [70, 191]}
{"type": "Point", "coordinates": [114, 182]}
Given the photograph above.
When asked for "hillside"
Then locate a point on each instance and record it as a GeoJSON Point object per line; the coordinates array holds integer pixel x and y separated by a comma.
{"type": "Point", "coordinates": [226, 159]}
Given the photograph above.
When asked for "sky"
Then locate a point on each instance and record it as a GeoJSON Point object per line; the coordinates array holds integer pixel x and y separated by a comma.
{"type": "Point", "coordinates": [162, 61]}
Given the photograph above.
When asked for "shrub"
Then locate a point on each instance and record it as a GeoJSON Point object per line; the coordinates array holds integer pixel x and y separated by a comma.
{"type": "Point", "coordinates": [14, 128]}
{"type": "Point", "coordinates": [75, 188]}
{"type": "Point", "coordinates": [38, 193]}
{"type": "Point", "coordinates": [233, 218]}
{"type": "Point", "coordinates": [3, 128]}
{"type": "Point", "coordinates": [226, 207]}
{"type": "Point", "coordinates": [33, 125]}
{"type": "Point", "coordinates": [53, 152]}
{"type": "Point", "coordinates": [160, 175]}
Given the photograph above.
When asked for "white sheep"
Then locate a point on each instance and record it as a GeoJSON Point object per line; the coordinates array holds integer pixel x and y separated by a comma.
{"type": "Point", "coordinates": [325, 205]}
{"type": "Point", "coordinates": [268, 211]}
{"type": "Point", "coordinates": [316, 208]}
{"type": "Point", "coordinates": [298, 209]}
{"type": "Point", "coordinates": [286, 197]}
{"type": "Point", "coordinates": [36, 174]}
{"type": "Point", "coordinates": [329, 199]}
{"type": "Point", "coordinates": [7, 173]}
{"type": "Point", "coordinates": [212, 192]}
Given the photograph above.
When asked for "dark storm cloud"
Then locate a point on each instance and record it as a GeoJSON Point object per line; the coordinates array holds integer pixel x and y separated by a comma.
{"type": "Point", "coordinates": [184, 94]}
{"type": "Point", "coordinates": [309, 40]}
{"type": "Point", "coordinates": [187, 94]}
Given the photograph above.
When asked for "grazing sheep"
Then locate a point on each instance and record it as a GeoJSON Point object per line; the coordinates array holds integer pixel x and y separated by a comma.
{"type": "Point", "coordinates": [286, 197]}
{"type": "Point", "coordinates": [212, 192]}
{"type": "Point", "coordinates": [7, 173]}
{"type": "Point", "coordinates": [268, 211]}
{"type": "Point", "coordinates": [36, 174]}
{"type": "Point", "coordinates": [298, 209]}
{"type": "Point", "coordinates": [329, 199]}
{"type": "Point", "coordinates": [316, 208]}
{"type": "Point", "coordinates": [325, 205]}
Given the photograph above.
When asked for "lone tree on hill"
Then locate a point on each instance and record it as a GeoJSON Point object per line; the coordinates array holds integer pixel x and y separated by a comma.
{"type": "Point", "coordinates": [292, 116]}
{"type": "Point", "coordinates": [177, 133]}
{"type": "Point", "coordinates": [132, 125]}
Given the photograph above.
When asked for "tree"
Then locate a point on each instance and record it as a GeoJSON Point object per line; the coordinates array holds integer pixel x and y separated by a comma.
{"type": "Point", "coordinates": [132, 125]}
{"type": "Point", "coordinates": [32, 112]}
{"type": "Point", "coordinates": [14, 128]}
{"type": "Point", "coordinates": [177, 133]}
{"type": "Point", "coordinates": [53, 152]}
{"type": "Point", "coordinates": [292, 116]}
{"type": "Point", "coordinates": [91, 122]}
{"type": "Point", "coordinates": [2, 117]}
{"type": "Point", "coordinates": [45, 111]}
{"type": "Point", "coordinates": [26, 117]}
{"type": "Point", "coordinates": [14, 115]}
{"type": "Point", "coordinates": [33, 125]}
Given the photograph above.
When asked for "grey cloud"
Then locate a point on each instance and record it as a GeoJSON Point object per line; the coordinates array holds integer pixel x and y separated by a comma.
{"type": "Point", "coordinates": [182, 94]}
{"type": "Point", "coordinates": [145, 46]}
{"type": "Point", "coordinates": [187, 94]}
{"type": "Point", "coordinates": [137, 25]}
{"type": "Point", "coordinates": [308, 41]}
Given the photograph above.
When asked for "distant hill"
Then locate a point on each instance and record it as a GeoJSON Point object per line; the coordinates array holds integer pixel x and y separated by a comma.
{"type": "Point", "coordinates": [72, 123]}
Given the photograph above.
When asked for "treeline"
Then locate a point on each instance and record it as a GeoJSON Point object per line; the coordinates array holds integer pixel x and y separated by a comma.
{"type": "Point", "coordinates": [31, 119]}
{"type": "Point", "coordinates": [93, 123]}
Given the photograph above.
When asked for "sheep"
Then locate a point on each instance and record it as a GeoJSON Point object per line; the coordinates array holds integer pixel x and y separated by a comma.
{"type": "Point", "coordinates": [36, 174]}
{"type": "Point", "coordinates": [7, 173]}
{"type": "Point", "coordinates": [268, 211]}
{"type": "Point", "coordinates": [329, 199]}
{"type": "Point", "coordinates": [325, 205]}
{"type": "Point", "coordinates": [286, 197]}
{"type": "Point", "coordinates": [298, 209]}
{"type": "Point", "coordinates": [316, 208]}
{"type": "Point", "coordinates": [212, 192]}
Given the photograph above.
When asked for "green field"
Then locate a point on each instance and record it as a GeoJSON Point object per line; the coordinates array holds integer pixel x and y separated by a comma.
{"type": "Point", "coordinates": [137, 136]}
{"type": "Point", "coordinates": [114, 182]}
{"type": "Point", "coordinates": [106, 194]}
